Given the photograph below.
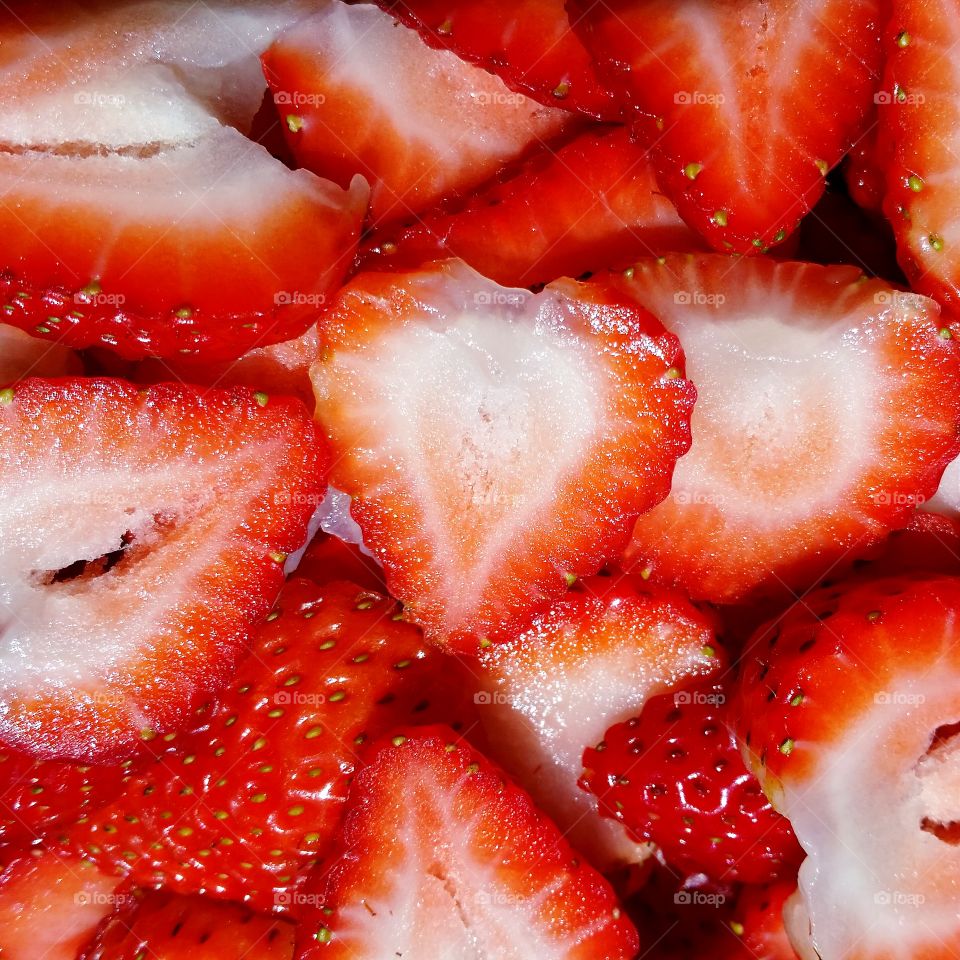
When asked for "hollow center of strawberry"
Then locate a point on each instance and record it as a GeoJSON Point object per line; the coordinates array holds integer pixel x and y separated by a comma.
{"type": "Point", "coordinates": [939, 775]}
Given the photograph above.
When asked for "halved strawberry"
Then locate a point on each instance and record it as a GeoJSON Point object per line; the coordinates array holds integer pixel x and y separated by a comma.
{"type": "Point", "coordinates": [591, 661]}
{"type": "Point", "coordinates": [827, 410]}
{"type": "Point", "coordinates": [133, 213]}
{"type": "Point", "coordinates": [51, 906]}
{"type": "Point", "coordinates": [360, 94]}
{"type": "Point", "coordinates": [495, 441]}
{"type": "Point", "coordinates": [758, 100]}
{"type": "Point", "coordinates": [920, 120]}
{"type": "Point", "coordinates": [530, 45]}
{"type": "Point", "coordinates": [592, 204]}
{"type": "Point", "coordinates": [673, 776]}
{"type": "Point", "coordinates": [236, 807]}
{"type": "Point", "coordinates": [848, 717]}
{"type": "Point", "coordinates": [24, 356]}
{"type": "Point", "coordinates": [144, 537]}
{"type": "Point", "coordinates": [281, 368]}
{"type": "Point", "coordinates": [164, 926]}
{"type": "Point", "coordinates": [441, 856]}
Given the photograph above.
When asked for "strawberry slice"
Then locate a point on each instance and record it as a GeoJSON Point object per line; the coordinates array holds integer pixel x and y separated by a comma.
{"type": "Point", "coordinates": [749, 97]}
{"type": "Point", "coordinates": [134, 214]}
{"type": "Point", "coordinates": [51, 906]}
{"type": "Point", "coordinates": [495, 441]}
{"type": "Point", "coordinates": [24, 356]}
{"type": "Point", "coordinates": [674, 776]}
{"type": "Point", "coordinates": [826, 412]}
{"type": "Point", "coordinates": [848, 717]}
{"type": "Point", "coordinates": [530, 45]}
{"type": "Point", "coordinates": [592, 204]}
{"type": "Point", "coordinates": [920, 119]}
{"type": "Point", "coordinates": [589, 662]}
{"type": "Point", "coordinates": [361, 95]}
{"type": "Point", "coordinates": [164, 926]}
{"type": "Point", "coordinates": [441, 856]}
{"type": "Point", "coordinates": [144, 535]}
{"type": "Point", "coordinates": [236, 807]}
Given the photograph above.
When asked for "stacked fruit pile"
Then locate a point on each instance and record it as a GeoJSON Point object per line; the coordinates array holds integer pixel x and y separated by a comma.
{"type": "Point", "coordinates": [480, 480]}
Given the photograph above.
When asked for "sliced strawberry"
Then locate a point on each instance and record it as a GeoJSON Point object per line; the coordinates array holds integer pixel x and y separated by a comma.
{"type": "Point", "coordinates": [849, 717]}
{"type": "Point", "coordinates": [164, 926]}
{"type": "Point", "coordinates": [758, 100]}
{"type": "Point", "coordinates": [329, 558]}
{"type": "Point", "coordinates": [51, 906]}
{"type": "Point", "coordinates": [530, 45]}
{"type": "Point", "coordinates": [38, 795]}
{"type": "Point", "coordinates": [132, 214]}
{"type": "Point", "coordinates": [441, 856]}
{"type": "Point", "coordinates": [827, 410]}
{"type": "Point", "coordinates": [495, 441]}
{"type": "Point", "coordinates": [144, 536]}
{"type": "Point", "coordinates": [920, 123]}
{"type": "Point", "coordinates": [236, 807]}
{"type": "Point", "coordinates": [759, 921]}
{"type": "Point", "coordinates": [592, 204]}
{"type": "Point", "coordinates": [589, 662]}
{"type": "Point", "coordinates": [24, 356]}
{"type": "Point", "coordinates": [281, 368]}
{"type": "Point", "coordinates": [361, 95]}
{"type": "Point", "coordinates": [673, 776]}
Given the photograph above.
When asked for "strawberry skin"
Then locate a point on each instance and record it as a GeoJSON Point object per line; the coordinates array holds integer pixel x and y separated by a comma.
{"type": "Point", "coordinates": [145, 534]}
{"type": "Point", "coordinates": [674, 776]}
{"type": "Point", "coordinates": [164, 926]}
{"type": "Point", "coordinates": [236, 807]}
{"type": "Point", "coordinates": [847, 714]}
{"type": "Point", "coordinates": [919, 119]}
{"type": "Point", "coordinates": [530, 45]}
{"type": "Point", "coordinates": [592, 204]}
{"type": "Point", "coordinates": [360, 94]}
{"type": "Point", "coordinates": [826, 412]}
{"type": "Point", "coordinates": [442, 856]}
{"type": "Point", "coordinates": [757, 100]}
{"type": "Point", "coordinates": [590, 661]}
{"type": "Point", "coordinates": [509, 438]}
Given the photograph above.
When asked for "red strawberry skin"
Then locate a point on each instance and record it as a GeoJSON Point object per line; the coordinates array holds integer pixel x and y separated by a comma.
{"type": "Point", "coordinates": [590, 205]}
{"type": "Point", "coordinates": [156, 550]}
{"type": "Point", "coordinates": [530, 45]}
{"type": "Point", "coordinates": [460, 546]}
{"type": "Point", "coordinates": [674, 776]}
{"type": "Point", "coordinates": [750, 100]}
{"type": "Point", "coordinates": [164, 926]}
{"type": "Point", "coordinates": [236, 807]}
{"type": "Point", "coordinates": [429, 807]}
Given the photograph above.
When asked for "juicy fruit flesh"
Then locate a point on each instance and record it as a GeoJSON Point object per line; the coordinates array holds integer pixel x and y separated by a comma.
{"type": "Point", "coordinates": [521, 411]}
{"type": "Point", "coordinates": [777, 431]}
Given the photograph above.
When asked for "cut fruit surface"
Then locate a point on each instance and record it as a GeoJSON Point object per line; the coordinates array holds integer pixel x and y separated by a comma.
{"type": "Point", "coordinates": [255, 792]}
{"type": "Point", "coordinates": [827, 410]}
{"type": "Point", "coordinates": [588, 663]}
{"type": "Point", "coordinates": [593, 204]}
{"type": "Point", "coordinates": [144, 537]}
{"type": "Point", "coordinates": [360, 94]}
{"type": "Point", "coordinates": [443, 857]}
{"type": "Point", "coordinates": [495, 441]}
{"type": "Point", "coordinates": [133, 215]}
{"type": "Point", "coordinates": [758, 100]}
{"type": "Point", "coordinates": [530, 45]}
{"type": "Point", "coordinates": [848, 717]}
